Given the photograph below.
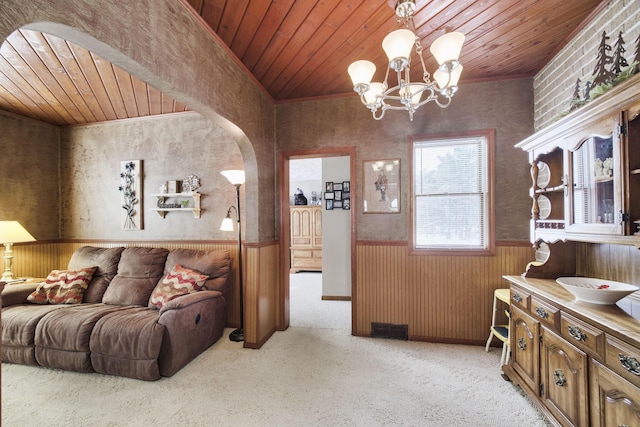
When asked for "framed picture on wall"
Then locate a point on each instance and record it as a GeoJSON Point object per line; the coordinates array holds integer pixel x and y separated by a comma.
{"type": "Point", "coordinates": [328, 187]}
{"type": "Point", "coordinates": [381, 186]}
{"type": "Point", "coordinates": [329, 204]}
{"type": "Point", "coordinates": [328, 196]}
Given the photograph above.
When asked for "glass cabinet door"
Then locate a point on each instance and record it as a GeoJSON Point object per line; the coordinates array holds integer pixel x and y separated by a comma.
{"type": "Point", "coordinates": [595, 196]}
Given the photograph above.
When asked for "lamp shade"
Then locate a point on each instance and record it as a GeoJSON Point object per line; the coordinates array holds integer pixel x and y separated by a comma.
{"type": "Point", "coordinates": [235, 177]}
{"type": "Point", "coordinates": [227, 224]}
{"type": "Point", "coordinates": [447, 47]}
{"type": "Point", "coordinates": [398, 44]}
{"type": "Point", "coordinates": [442, 77]}
{"type": "Point", "coordinates": [13, 232]}
{"type": "Point", "coordinates": [375, 90]}
{"type": "Point", "coordinates": [412, 91]}
{"type": "Point", "coordinates": [361, 72]}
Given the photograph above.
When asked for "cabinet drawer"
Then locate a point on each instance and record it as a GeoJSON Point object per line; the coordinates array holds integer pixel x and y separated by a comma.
{"type": "Point", "coordinates": [520, 297]}
{"type": "Point", "coordinates": [547, 314]}
{"type": "Point", "coordinates": [301, 253]}
{"type": "Point", "coordinates": [623, 359]}
{"type": "Point", "coordinates": [582, 335]}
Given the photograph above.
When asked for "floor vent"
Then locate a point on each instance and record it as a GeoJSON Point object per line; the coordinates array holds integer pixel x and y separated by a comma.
{"type": "Point", "coordinates": [389, 330]}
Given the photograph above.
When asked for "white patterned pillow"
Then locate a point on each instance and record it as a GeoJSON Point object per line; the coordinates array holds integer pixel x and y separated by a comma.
{"type": "Point", "coordinates": [63, 287]}
{"type": "Point", "coordinates": [180, 281]}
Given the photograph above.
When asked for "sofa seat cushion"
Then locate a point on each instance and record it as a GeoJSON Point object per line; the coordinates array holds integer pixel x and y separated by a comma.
{"type": "Point", "coordinates": [127, 343]}
{"type": "Point", "coordinates": [63, 287]}
{"type": "Point", "coordinates": [62, 337]}
{"type": "Point", "coordinates": [106, 262]}
{"type": "Point", "coordinates": [139, 271]}
{"type": "Point", "coordinates": [19, 329]}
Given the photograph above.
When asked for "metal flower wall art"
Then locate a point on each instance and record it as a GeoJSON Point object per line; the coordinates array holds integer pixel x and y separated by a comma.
{"type": "Point", "coordinates": [131, 189]}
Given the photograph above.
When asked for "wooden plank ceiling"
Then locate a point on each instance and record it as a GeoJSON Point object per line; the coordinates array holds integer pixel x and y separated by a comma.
{"type": "Point", "coordinates": [295, 50]}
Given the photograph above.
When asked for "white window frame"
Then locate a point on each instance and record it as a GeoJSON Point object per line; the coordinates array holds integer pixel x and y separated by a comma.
{"type": "Point", "coordinates": [486, 138]}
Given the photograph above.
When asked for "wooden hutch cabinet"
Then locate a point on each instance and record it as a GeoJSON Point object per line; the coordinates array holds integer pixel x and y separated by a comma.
{"type": "Point", "coordinates": [585, 171]}
{"type": "Point", "coordinates": [580, 362]}
{"type": "Point", "coordinates": [306, 238]}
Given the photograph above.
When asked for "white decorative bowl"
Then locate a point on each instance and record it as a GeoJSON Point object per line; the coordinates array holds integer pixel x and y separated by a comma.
{"type": "Point", "coordinates": [596, 291]}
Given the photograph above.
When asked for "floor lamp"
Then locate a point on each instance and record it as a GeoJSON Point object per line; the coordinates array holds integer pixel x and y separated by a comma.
{"type": "Point", "coordinates": [236, 177]}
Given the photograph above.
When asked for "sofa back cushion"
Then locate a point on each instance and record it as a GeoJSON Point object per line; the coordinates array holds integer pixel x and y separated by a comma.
{"type": "Point", "coordinates": [215, 264]}
{"type": "Point", "coordinates": [106, 262]}
{"type": "Point", "coordinates": [139, 271]}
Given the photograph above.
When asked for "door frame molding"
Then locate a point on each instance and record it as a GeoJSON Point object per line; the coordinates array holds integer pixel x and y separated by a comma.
{"type": "Point", "coordinates": [282, 311]}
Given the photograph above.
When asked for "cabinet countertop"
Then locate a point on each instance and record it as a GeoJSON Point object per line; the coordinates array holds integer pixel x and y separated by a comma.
{"type": "Point", "coordinates": [622, 319]}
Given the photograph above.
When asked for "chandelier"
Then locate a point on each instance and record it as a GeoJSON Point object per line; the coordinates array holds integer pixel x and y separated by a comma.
{"type": "Point", "coordinates": [408, 95]}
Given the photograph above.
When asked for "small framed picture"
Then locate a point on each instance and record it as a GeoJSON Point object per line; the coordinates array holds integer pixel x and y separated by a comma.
{"type": "Point", "coordinates": [346, 195]}
{"type": "Point", "coordinates": [346, 204]}
{"type": "Point", "coordinates": [337, 204]}
{"type": "Point", "coordinates": [346, 186]}
{"type": "Point", "coordinates": [329, 196]}
{"type": "Point", "coordinates": [337, 186]}
{"type": "Point", "coordinates": [328, 187]}
{"type": "Point", "coordinates": [338, 195]}
{"type": "Point", "coordinates": [329, 204]}
{"type": "Point", "coordinates": [172, 187]}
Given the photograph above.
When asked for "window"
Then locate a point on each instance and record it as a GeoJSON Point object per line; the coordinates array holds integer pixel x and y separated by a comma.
{"type": "Point", "coordinates": [452, 193]}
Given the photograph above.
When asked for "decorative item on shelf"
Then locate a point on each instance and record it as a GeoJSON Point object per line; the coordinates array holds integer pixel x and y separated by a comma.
{"type": "Point", "coordinates": [299, 198]}
{"type": "Point", "coordinates": [544, 175]}
{"type": "Point", "coordinates": [11, 232]}
{"type": "Point", "coordinates": [131, 189]}
{"type": "Point", "coordinates": [315, 200]}
{"type": "Point", "coordinates": [237, 178]}
{"type": "Point", "coordinates": [604, 79]}
{"type": "Point", "coordinates": [407, 95]}
{"type": "Point", "coordinates": [172, 187]}
{"type": "Point", "coordinates": [163, 188]}
{"type": "Point", "coordinates": [190, 183]}
{"type": "Point", "coordinates": [185, 203]}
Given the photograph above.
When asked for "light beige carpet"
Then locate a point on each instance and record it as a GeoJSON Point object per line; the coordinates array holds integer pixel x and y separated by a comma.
{"type": "Point", "coordinates": [305, 376]}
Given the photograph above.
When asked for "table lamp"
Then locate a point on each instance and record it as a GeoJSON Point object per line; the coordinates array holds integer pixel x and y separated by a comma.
{"type": "Point", "coordinates": [11, 232]}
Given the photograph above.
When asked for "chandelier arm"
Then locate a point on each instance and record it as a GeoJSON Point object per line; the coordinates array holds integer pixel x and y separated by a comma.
{"type": "Point", "coordinates": [440, 104]}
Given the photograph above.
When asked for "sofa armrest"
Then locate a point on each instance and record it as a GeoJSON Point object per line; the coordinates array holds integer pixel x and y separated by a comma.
{"type": "Point", "coordinates": [192, 323]}
{"type": "Point", "coordinates": [189, 299]}
{"type": "Point", "coordinates": [17, 293]}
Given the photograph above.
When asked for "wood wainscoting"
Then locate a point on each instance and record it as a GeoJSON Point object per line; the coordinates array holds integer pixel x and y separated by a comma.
{"type": "Point", "coordinates": [261, 275]}
{"type": "Point", "coordinates": [440, 298]}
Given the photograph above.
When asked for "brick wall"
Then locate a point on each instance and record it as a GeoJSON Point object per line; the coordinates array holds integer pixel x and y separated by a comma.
{"type": "Point", "coordinates": [554, 84]}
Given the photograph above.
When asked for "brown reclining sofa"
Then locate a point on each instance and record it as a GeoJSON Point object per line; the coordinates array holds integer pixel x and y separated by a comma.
{"type": "Point", "coordinates": [115, 329]}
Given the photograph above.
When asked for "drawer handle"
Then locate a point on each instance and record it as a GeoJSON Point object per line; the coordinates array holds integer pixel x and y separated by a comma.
{"type": "Point", "coordinates": [576, 333]}
{"type": "Point", "coordinates": [629, 363]}
{"type": "Point", "coordinates": [559, 378]}
{"type": "Point", "coordinates": [542, 313]}
{"type": "Point", "coordinates": [522, 345]}
{"type": "Point", "coordinates": [517, 298]}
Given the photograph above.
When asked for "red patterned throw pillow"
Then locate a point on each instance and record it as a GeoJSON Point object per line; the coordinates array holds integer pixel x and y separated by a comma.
{"type": "Point", "coordinates": [63, 287]}
{"type": "Point", "coordinates": [180, 281]}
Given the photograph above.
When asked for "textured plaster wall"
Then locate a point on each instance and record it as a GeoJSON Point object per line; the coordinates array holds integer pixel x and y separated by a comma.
{"type": "Point", "coordinates": [506, 106]}
{"type": "Point", "coordinates": [554, 84]}
{"type": "Point", "coordinates": [171, 148]}
{"type": "Point", "coordinates": [29, 152]}
{"type": "Point", "coordinates": [162, 43]}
